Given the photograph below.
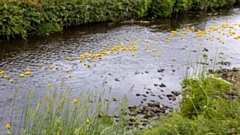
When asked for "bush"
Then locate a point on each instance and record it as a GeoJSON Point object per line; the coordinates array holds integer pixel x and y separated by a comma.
{"type": "Point", "coordinates": [162, 8]}
{"type": "Point", "coordinates": [11, 21]}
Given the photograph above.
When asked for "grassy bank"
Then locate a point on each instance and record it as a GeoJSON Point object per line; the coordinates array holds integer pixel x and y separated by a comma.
{"type": "Point", "coordinates": [210, 106]}
{"type": "Point", "coordinates": [60, 114]}
{"type": "Point", "coordinates": [19, 17]}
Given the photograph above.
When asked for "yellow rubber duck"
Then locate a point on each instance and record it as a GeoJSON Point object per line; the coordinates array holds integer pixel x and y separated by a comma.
{"type": "Point", "coordinates": [49, 85]}
{"type": "Point", "coordinates": [69, 76]}
{"type": "Point", "coordinates": [51, 67]}
{"type": "Point", "coordinates": [1, 72]}
{"type": "Point", "coordinates": [133, 54]}
{"type": "Point", "coordinates": [21, 75]}
{"type": "Point", "coordinates": [28, 69]}
{"type": "Point", "coordinates": [167, 40]}
{"type": "Point", "coordinates": [159, 55]}
{"type": "Point", "coordinates": [28, 73]}
{"type": "Point", "coordinates": [41, 64]}
{"type": "Point", "coordinates": [5, 76]}
{"type": "Point", "coordinates": [68, 58]}
{"type": "Point", "coordinates": [11, 80]}
{"type": "Point", "coordinates": [56, 67]}
{"type": "Point", "coordinates": [174, 59]}
{"type": "Point", "coordinates": [85, 64]}
{"type": "Point", "coordinates": [153, 55]}
{"type": "Point", "coordinates": [89, 65]}
{"type": "Point", "coordinates": [67, 70]}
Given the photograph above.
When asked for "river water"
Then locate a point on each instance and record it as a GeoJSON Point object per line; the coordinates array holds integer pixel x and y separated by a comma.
{"type": "Point", "coordinates": [121, 72]}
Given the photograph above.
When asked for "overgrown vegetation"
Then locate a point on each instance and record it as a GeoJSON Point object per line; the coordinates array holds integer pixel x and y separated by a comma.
{"type": "Point", "coordinates": [59, 113]}
{"type": "Point", "coordinates": [210, 105]}
{"type": "Point", "coordinates": [17, 18]}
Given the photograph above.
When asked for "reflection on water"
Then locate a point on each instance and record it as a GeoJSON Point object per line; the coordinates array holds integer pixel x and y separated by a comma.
{"type": "Point", "coordinates": [121, 72]}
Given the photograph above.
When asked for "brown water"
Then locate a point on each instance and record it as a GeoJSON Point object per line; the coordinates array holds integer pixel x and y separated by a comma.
{"type": "Point", "coordinates": [140, 71]}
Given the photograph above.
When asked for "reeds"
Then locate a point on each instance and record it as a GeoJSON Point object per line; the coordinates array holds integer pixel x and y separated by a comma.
{"type": "Point", "coordinates": [59, 113]}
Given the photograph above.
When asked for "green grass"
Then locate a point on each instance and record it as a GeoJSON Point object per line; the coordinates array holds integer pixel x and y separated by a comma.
{"type": "Point", "coordinates": [59, 114]}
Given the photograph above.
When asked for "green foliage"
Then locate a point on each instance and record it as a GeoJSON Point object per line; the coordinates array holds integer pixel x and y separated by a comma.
{"type": "Point", "coordinates": [179, 125]}
{"type": "Point", "coordinates": [221, 3]}
{"type": "Point", "coordinates": [58, 113]}
{"type": "Point", "coordinates": [11, 21]}
{"type": "Point", "coordinates": [46, 16]}
{"type": "Point", "coordinates": [49, 27]}
{"type": "Point", "coordinates": [200, 94]}
{"type": "Point", "coordinates": [206, 108]}
{"type": "Point", "coordinates": [162, 8]}
{"type": "Point", "coordinates": [182, 5]}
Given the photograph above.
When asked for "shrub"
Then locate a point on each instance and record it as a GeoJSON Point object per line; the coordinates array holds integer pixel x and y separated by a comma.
{"type": "Point", "coordinates": [162, 8]}
{"type": "Point", "coordinates": [11, 21]}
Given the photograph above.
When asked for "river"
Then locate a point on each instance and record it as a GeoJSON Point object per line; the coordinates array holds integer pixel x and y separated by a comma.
{"type": "Point", "coordinates": [122, 72]}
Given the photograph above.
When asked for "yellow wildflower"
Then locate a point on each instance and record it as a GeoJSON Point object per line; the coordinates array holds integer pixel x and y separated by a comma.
{"type": "Point", "coordinates": [8, 126]}
{"type": "Point", "coordinates": [75, 101]}
{"type": "Point", "coordinates": [88, 120]}
{"type": "Point", "coordinates": [58, 121]}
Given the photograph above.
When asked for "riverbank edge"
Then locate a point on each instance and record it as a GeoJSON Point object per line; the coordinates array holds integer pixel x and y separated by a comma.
{"type": "Point", "coordinates": [210, 105]}
{"type": "Point", "coordinates": [18, 19]}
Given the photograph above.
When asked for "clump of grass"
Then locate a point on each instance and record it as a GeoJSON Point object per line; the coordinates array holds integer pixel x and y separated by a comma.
{"type": "Point", "coordinates": [58, 113]}
{"type": "Point", "coordinates": [210, 105]}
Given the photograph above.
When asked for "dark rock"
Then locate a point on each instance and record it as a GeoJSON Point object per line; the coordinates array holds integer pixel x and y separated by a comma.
{"type": "Point", "coordinates": [144, 120]}
{"type": "Point", "coordinates": [162, 85]}
{"type": "Point", "coordinates": [160, 96]}
{"type": "Point", "coordinates": [114, 99]}
{"type": "Point", "coordinates": [132, 107]}
{"type": "Point", "coordinates": [116, 79]}
{"type": "Point", "coordinates": [152, 95]}
{"type": "Point", "coordinates": [146, 72]}
{"type": "Point", "coordinates": [176, 93]}
{"type": "Point", "coordinates": [156, 104]}
{"type": "Point", "coordinates": [138, 94]}
{"type": "Point", "coordinates": [161, 70]}
{"type": "Point", "coordinates": [205, 49]}
{"type": "Point", "coordinates": [147, 92]}
{"type": "Point", "coordinates": [132, 119]}
{"type": "Point", "coordinates": [155, 84]}
{"type": "Point", "coordinates": [152, 100]}
{"type": "Point", "coordinates": [171, 97]}
{"type": "Point", "coordinates": [136, 73]}
{"type": "Point", "coordinates": [144, 95]}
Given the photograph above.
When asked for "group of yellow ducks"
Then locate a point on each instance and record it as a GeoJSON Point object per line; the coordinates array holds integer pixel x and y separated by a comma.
{"type": "Point", "coordinates": [132, 46]}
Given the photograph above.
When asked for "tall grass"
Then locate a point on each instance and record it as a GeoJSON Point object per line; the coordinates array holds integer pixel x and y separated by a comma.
{"type": "Point", "coordinates": [59, 114]}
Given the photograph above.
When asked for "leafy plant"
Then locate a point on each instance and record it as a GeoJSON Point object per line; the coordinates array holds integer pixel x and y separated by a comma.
{"type": "Point", "coordinates": [11, 21]}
